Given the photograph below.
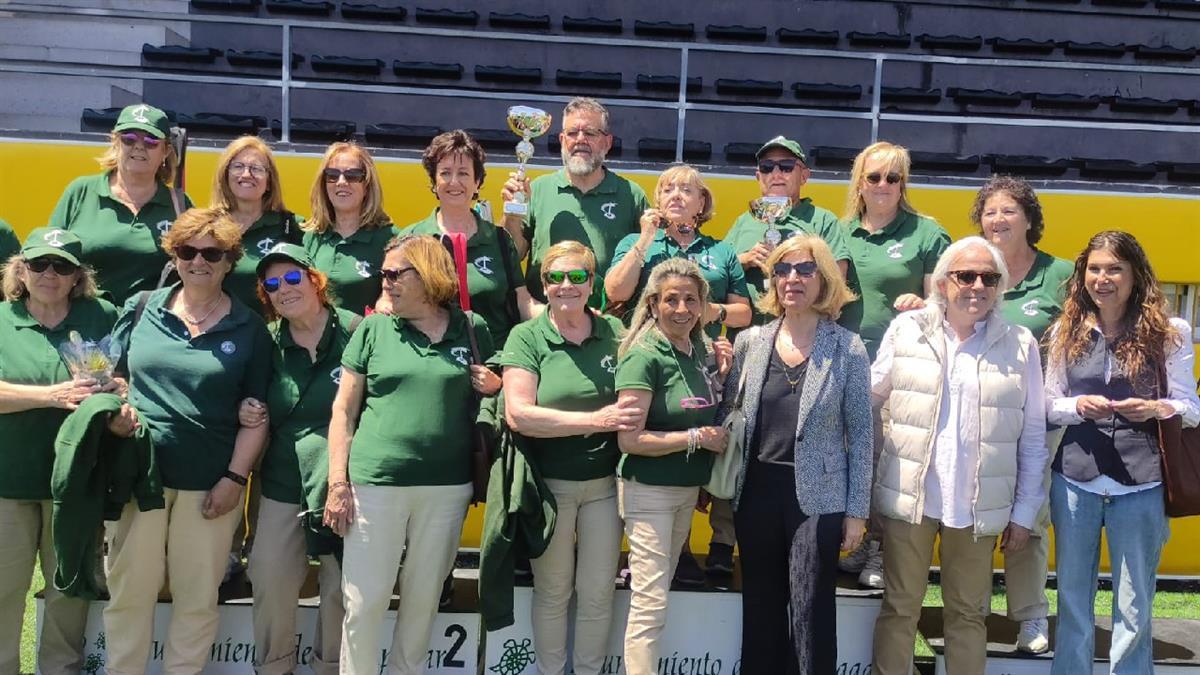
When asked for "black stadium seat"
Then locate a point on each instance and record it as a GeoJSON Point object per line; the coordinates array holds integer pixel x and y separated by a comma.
{"type": "Point", "coordinates": [427, 69]}
{"type": "Point", "coordinates": [401, 134]}
{"type": "Point", "coordinates": [1064, 102]}
{"type": "Point", "coordinates": [668, 83]}
{"type": "Point", "coordinates": [740, 152]}
{"type": "Point", "coordinates": [366, 11]}
{"type": "Point", "coordinates": [832, 158]}
{"type": "Point", "coordinates": [253, 58]}
{"type": "Point", "coordinates": [1028, 165]}
{"type": "Point", "coordinates": [808, 37]}
{"type": "Point", "coordinates": [1182, 172]}
{"type": "Point", "coordinates": [910, 95]}
{"type": "Point", "coordinates": [1119, 3]}
{"type": "Point", "coordinates": [1116, 169]}
{"type": "Point", "coordinates": [222, 124]}
{"type": "Point", "coordinates": [732, 87]}
{"type": "Point", "coordinates": [519, 21]}
{"type": "Point", "coordinates": [827, 91]}
{"type": "Point", "coordinates": [508, 74]}
{"type": "Point", "coordinates": [666, 29]}
{"type": "Point", "coordinates": [951, 42]}
{"type": "Point", "coordinates": [588, 78]}
{"type": "Point", "coordinates": [1144, 106]}
{"type": "Point", "coordinates": [317, 131]}
{"type": "Point", "coordinates": [104, 119]}
{"type": "Point", "coordinates": [879, 40]}
{"type": "Point", "coordinates": [448, 17]}
{"type": "Point", "coordinates": [664, 149]}
{"type": "Point", "coordinates": [1022, 46]}
{"type": "Point", "coordinates": [501, 140]}
{"type": "Point", "coordinates": [302, 7]}
{"type": "Point", "coordinates": [346, 64]}
{"type": "Point", "coordinates": [986, 97]}
{"type": "Point", "coordinates": [736, 33]}
{"type": "Point", "coordinates": [924, 162]}
{"type": "Point", "coordinates": [248, 6]}
{"type": "Point", "coordinates": [179, 54]}
{"type": "Point", "coordinates": [592, 24]}
{"type": "Point", "coordinates": [1164, 53]}
{"type": "Point", "coordinates": [1093, 49]}
{"type": "Point", "coordinates": [1188, 5]}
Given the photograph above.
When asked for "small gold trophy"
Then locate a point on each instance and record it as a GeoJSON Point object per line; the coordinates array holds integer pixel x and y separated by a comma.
{"type": "Point", "coordinates": [769, 210]}
{"type": "Point", "coordinates": [528, 123]}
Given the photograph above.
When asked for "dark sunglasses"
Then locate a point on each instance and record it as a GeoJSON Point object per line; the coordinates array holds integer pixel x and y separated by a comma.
{"type": "Point", "coordinates": [968, 277]}
{"type": "Point", "coordinates": [210, 253]}
{"type": "Point", "coordinates": [61, 267]}
{"type": "Point", "coordinates": [392, 274]}
{"type": "Point", "coordinates": [805, 269]}
{"type": "Point", "coordinates": [785, 165]}
{"type": "Point", "coordinates": [576, 277]}
{"type": "Point", "coordinates": [130, 139]}
{"type": "Point", "coordinates": [892, 178]}
{"type": "Point", "coordinates": [292, 278]}
{"type": "Point", "coordinates": [351, 175]}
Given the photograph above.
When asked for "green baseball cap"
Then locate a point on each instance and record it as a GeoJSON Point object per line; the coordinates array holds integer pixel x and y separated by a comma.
{"type": "Point", "coordinates": [145, 118]}
{"type": "Point", "coordinates": [284, 251]}
{"type": "Point", "coordinates": [785, 143]}
{"type": "Point", "coordinates": [46, 241]}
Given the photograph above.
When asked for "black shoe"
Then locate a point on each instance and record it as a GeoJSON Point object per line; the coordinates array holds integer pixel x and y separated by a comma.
{"type": "Point", "coordinates": [720, 559]}
{"type": "Point", "coordinates": [688, 572]}
{"type": "Point", "coordinates": [447, 598]}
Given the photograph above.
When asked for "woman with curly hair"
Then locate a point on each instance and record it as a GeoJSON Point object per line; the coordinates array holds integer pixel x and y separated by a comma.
{"type": "Point", "coordinates": [1117, 365]}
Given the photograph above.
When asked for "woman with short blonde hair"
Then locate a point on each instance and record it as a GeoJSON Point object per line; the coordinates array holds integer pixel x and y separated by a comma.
{"type": "Point", "coordinates": [835, 294]}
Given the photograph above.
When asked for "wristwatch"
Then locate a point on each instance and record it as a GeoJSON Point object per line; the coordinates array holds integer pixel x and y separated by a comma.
{"type": "Point", "coordinates": [721, 313]}
{"type": "Point", "coordinates": [236, 477]}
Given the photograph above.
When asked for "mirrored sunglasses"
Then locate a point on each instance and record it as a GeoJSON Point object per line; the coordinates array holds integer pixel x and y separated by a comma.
{"type": "Point", "coordinates": [576, 277]}
{"type": "Point", "coordinates": [130, 139]}
{"type": "Point", "coordinates": [292, 277]}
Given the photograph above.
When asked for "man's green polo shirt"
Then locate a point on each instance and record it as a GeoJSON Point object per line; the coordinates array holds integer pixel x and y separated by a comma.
{"type": "Point", "coordinates": [671, 377]}
{"type": "Point", "coordinates": [271, 229]}
{"type": "Point", "coordinates": [30, 356]}
{"type": "Point", "coordinates": [885, 265]}
{"type": "Point", "coordinates": [419, 408]}
{"type": "Point", "coordinates": [189, 388]}
{"type": "Point", "coordinates": [488, 282]}
{"type": "Point", "coordinates": [300, 401]}
{"type": "Point", "coordinates": [717, 262]}
{"type": "Point", "coordinates": [575, 378]}
{"type": "Point", "coordinates": [599, 219]}
{"type": "Point", "coordinates": [1037, 300]}
{"type": "Point", "coordinates": [352, 263]}
{"type": "Point", "coordinates": [124, 248]}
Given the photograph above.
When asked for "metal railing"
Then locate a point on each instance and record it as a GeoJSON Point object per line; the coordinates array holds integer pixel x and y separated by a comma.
{"type": "Point", "coordinates": [286, 84]}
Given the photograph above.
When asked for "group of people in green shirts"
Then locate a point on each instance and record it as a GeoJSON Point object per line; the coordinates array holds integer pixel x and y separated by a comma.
{"type": "Point", "coordinates": [245, 351]}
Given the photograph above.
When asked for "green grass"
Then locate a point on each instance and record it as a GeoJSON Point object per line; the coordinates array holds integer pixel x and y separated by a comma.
{"type": "Point", "coordinates": [28, 634]}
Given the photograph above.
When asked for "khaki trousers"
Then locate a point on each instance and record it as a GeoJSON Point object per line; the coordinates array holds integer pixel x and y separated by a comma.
{"type": "Point", "coordinates": [587, 521]}
{"type": "Point", "coordinates": [966, 592]}
{"type": "Point", "coordinates": [144, 548]}
{"type": "Point", "coordinates": [24, 534]}
{"type": "Point", "coordinates": [1025, 571]}
{"type": "Point", "coordinates": [657, 520]}
{"type": "Point", "coordinates": [880, 416]}
{"type": "Point", "coordinates": [278, 569]}
{"type": "Point", "coordinates": [420, 525]}
{"type": "Point", "coordinates": [720, 519]}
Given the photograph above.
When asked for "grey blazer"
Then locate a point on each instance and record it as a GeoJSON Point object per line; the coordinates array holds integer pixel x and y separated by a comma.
{"type": "Point", "coordinates": [833, 434]}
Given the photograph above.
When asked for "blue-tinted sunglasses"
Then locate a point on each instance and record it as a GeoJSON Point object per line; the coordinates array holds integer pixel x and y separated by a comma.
{"type": "Point", "coordinates": [292, 278]}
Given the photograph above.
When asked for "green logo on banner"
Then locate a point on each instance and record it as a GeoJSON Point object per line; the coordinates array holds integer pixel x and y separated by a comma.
{"type": "Point", "coordinates": [516, 656]}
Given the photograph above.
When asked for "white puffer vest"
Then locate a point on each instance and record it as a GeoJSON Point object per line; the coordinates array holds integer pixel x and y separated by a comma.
{"type": "Point", "coordinates": [918, 370]}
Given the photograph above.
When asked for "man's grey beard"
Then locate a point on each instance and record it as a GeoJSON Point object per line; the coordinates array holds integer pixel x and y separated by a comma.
{"type": "Point", "coordinates": [580, 166]}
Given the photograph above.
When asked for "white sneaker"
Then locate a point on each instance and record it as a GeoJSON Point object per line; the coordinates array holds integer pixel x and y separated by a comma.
{"type": "Point", "coordinates": [1033, 637]}
{"type": "Point", "coordinates": [872, 572]}
{"type": "Point", "coordinates": [854, 562]}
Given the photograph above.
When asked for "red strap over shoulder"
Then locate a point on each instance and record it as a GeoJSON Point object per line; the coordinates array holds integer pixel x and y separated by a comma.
{"type": "Point", "coordinates": [458, 242]}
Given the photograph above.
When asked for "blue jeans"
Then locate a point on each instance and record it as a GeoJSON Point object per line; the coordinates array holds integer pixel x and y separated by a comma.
{"type": "Point", "coordinates": [1136, 527]}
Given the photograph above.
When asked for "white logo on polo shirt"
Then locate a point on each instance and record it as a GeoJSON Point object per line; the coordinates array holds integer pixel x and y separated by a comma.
{"type": "Point", "coordinates": [228, 347]}
{"type": "Point", "coordinates": [1030, 308]}
{"type": "Point", "coordinates": [363, 268]}
{"type": "Point", "coordinates": [139, 114]}
{"type": "Point", "coordinates": [706, 261]}
{"type": "Point", "coordinates": [483, 264]}
{"type": "Point", "coordinates": [336, 375]}
{"type": "Point", "coordinates": [264, 245]}
{"type": "Point", "coordinates": [163, 226]}
{"type": "Point", "coordinates": [52, 238]}
{"type": "Point", "coordinates": [609, 363]}
{"type": "Point", "coordinates": [607, 210]}
{"type": "Point", "coordinates": [460, 354]}
{"type": "Point", "coordinates": [893, 251]}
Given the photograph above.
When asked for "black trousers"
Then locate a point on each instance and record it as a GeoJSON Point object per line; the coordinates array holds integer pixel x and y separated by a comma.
{"type": "Point", "coordinates": [767, 522]}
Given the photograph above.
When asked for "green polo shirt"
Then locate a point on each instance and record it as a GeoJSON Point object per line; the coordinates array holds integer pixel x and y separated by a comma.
{"type": "Point", "coordinates": [1037, 300]}
{"type": "Point", "coordinates": [805, 217]}
{"type": "Point", "coordinates": [716, 261]}
{"type": "Point", "coordinates": [189, 388]}
{"type": "Point", "coordinates": [575, 378]}
{"type": "Point", "coordinates": [123, 247]}
{"type": "Point", "coordinates": [352, 263]}
{"type": "Point", "coordinates": [487, 281]}
{"type": "Point", "coordinates": [419, 408]}
{"type": "Point", "coordinates": [300, 400]}
{"type": "Point", "coordinates": [271, 229]}
{"type": "Point", "coordinates": [30, 356]}
{"type": "Point", "coordinates": [600, 218]}
{"type": "Point", "coordinates": [885, 265]}
{"type": "Point", "coordinates": [670, 376]}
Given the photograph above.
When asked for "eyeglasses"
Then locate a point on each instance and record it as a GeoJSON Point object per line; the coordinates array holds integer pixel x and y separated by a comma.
{"type": "Point", "coordinates": [576, 277]}
{"type": "Point", "coordinates": [61, 267]}
{"type": "Point", "coordinates": [256, 170]}
{"type": "Point", "coordinates": [785, 165]}
{"type": "Point", "coordinates": [274, 283]}
{"type": "Point", "coordinates": [212, 254]}
{"type": "Point", "coordinates": [351, 175]}
{"type": "Point", "coordinates": [130, 139]}
{"type": "Point", "coordinates": [805, 269]}
{"type": "Point", "coordinates": [694, 402]}
{"type": "Point", "coordinates": [968, 277]}
{"type": "Point", "coordinates": [393, 274]}
{"type": "Point", "coordinates": [892, 178]}
{"type": "Point", "coordinates": [587, 132]}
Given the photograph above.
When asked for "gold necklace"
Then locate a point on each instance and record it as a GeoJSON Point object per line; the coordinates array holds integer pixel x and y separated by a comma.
{"type": "Point", "coordinates": [191, 319]}
{"type": "Point", "coordinates": [787, 374]}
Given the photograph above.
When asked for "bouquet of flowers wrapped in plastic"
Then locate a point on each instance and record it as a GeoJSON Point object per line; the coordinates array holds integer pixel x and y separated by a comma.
{"type": "Point", "coordinates": [90, 360]}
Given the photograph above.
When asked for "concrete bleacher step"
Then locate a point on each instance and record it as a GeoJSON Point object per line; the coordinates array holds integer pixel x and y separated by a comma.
{"type": "Point", "coordinates": [166, 6]}
{"type": "Point", "coordinates": [52, 103]}
{"type": "Point", "coordinates": [82, 40]}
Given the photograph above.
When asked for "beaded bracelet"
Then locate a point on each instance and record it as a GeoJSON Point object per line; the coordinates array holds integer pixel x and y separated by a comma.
{"type": "Point", "coordinates": [693, 441]}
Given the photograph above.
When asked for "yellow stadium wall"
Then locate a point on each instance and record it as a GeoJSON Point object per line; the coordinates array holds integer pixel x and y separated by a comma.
{"type": "Point", "coordinates": [33, 175]}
